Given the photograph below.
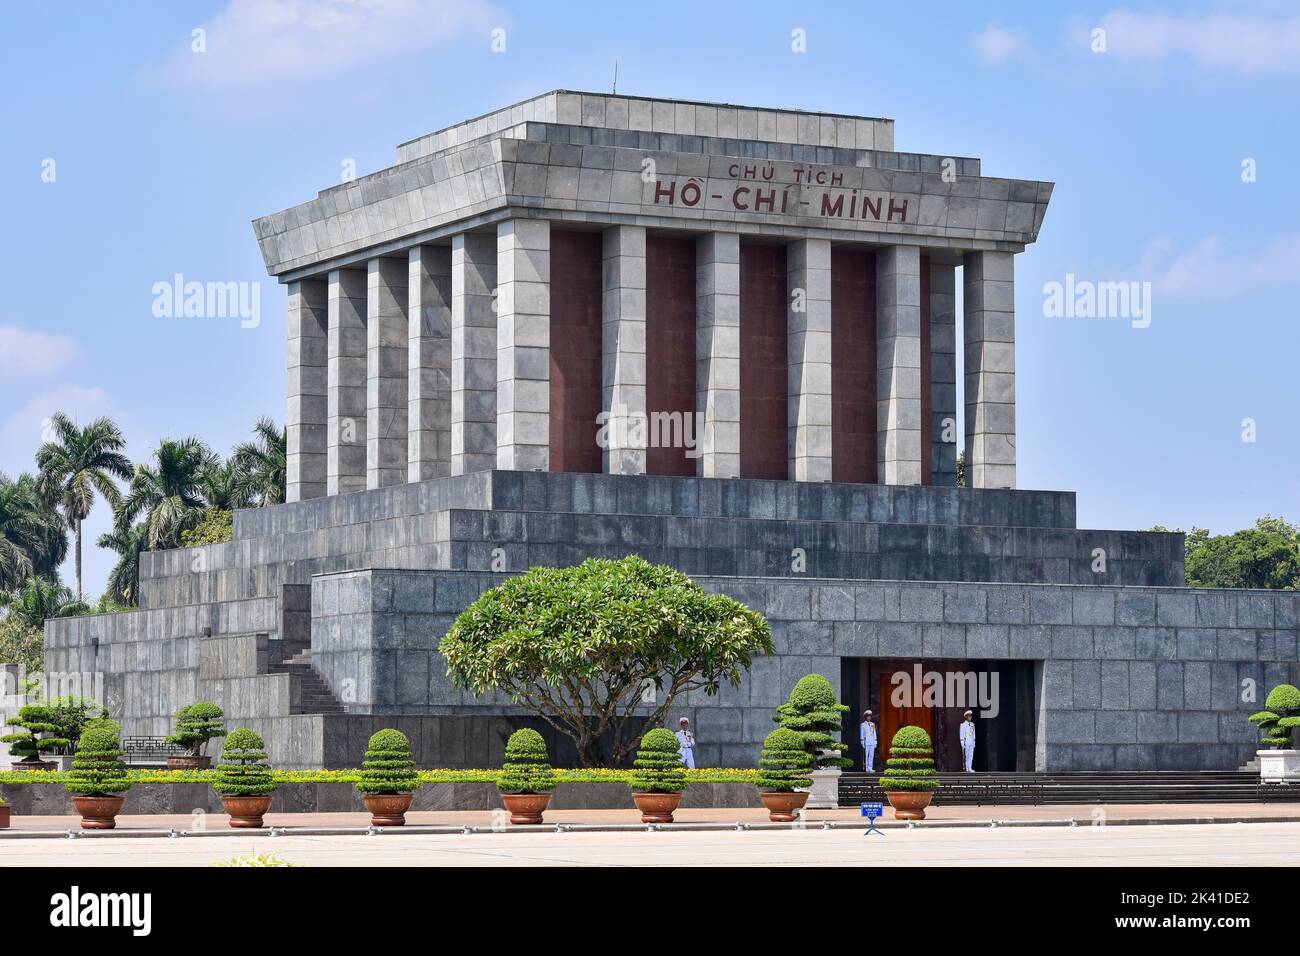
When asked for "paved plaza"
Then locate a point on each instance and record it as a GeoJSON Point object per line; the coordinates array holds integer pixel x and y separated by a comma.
{"type": "Point", "coordinates": [1267, 844]}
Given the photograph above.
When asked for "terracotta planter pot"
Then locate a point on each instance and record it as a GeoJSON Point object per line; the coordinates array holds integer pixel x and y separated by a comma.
{"type": "Point", "coordinates": [387, 809]}
{"type": "Point", "coordinates": [246, 812]}
{"type": "Point", "coordinates": [656, 807]}
{"type": "Point", "coordinates": [526, 808]}
{"type": "Point", "coordinates": [189, 762]}
{"type": "Point", "coordinates": [97, 813]}
{"type": "Point", "coordinates": [5, 810]}
{"type": "Point", "coordinates": [782, 804]}
{"type": "Point", "coordinates": [909, 804]}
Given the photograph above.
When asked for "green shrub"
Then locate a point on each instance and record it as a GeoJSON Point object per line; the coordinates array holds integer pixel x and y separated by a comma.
{"type": "Point", "coordinates": [784, 764]}
{"type": "Point", "coordinates": [911, 761]}
{"type": "Point", "coordinates": [196, 724]}
{"type": "Point", "coordinates": [388, 767]}
{"type": "Point", "coordinates": [1277, 720]}
{"type": "Point", "coordinates": [658, 766]}
{"type": "Point", "coordinates": [72, 715]}
{"type": "Point", "coordinates": [814, 714]}
{"type": "Point", "coordinates": [27, 743]}
{"type": "Point", "coordinates": [97, 767]}
{"type": "Point", "coordinates": [217, 525]}
{"type": "Point", "coordinates": [527, 767]}
{"type": "Point", "coordinates": [242, 771]}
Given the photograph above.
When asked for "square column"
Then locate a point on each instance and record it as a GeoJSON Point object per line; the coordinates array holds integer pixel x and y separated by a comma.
{"type": "Point", "coordinates": [305, 423]}
{"type": "Point", "coordinates": [808, 272]}
{"type": "Point", "coordinates": [428, 355]}
{"type": "Point", "coordinates": [387, 331]}
{"type": "Point", "coordinates": [717, 353]}
{"type": "Point", "coordinates": [473, 353]}
{"type": "Point", "coordinates": [898, 365]}
{"type": "Point", "coordinates": [524, 345]}
{"type": "Point", "coordinates": [989, 332]}
{"type": "Point", "coordinates": [345, 469]}
{"type": "Point", "coordinates": [943, 374]}
{"type": "Point", "coordinates": [623, 344]}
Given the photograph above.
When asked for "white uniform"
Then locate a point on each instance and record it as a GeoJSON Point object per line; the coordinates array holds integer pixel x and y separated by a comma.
{"type": "Point", "coordinates": [686, 747]}
{"type": "Point", "coordinates": [967, 737]}
{"type": "Point", "coordinates": [867, 734]}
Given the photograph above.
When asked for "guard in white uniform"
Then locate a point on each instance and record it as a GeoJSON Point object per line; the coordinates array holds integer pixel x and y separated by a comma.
{"type": "Point", "coordinates": [867, 734]}
{"type": "Point", "coordinates": [686, 743]}
{"type": "Point", "coordinates": [967, 737]}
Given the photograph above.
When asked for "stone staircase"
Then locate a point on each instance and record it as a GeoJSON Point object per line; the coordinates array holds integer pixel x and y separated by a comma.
{"type": "Point", "coordinates": [309, 694]}
{"type": "Point", "coordinates": [1167, 786]}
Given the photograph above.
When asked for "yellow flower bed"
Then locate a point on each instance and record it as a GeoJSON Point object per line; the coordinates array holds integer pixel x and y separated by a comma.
{"type": "Point", "coordinates": [576, 775]}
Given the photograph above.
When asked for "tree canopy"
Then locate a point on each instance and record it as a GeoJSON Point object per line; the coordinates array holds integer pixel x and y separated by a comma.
{"type": "Point", "coordinates": [1265, 556]}
{"type": "Point", "coordinates": [600, 651]}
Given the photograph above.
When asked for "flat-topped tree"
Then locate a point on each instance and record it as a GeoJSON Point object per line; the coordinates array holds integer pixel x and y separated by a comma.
{"type": "Point", "coordinates": [581, 646]}
{"type": "Point", "coordinates": [27, 743]}
{"type": "Point", "coordinates": [911, 761]}
{"type": "Point", "coordinates": [784, 764]}
{"type": "Point", "coordinates": [814, 714]}
{"type": "Point", "coordinates": [1279, 718]}
{"type": "Point", "coordinates": [658, 766]}
{"type": "Point", "coordinates": [196, 724]}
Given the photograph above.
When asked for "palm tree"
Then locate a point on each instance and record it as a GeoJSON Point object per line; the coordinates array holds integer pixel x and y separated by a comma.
{"type": "Point", "coordinates": [222, 486]}
{"type": "Point", "coordinates": [124, 580]}
{"type": "Point", "coordinates": [262, 463]}
{"type": "Point", "coordinates": [168, 492]}
{"type": "Point", "coordinates": [38, 600]}
{"type": "Point", "coordinates": [33, 541]}
{"type": "Point", "coordinates": [76, 464]}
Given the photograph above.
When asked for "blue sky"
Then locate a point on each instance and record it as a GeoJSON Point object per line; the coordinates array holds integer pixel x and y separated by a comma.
{"type": "Point", "coordinates": [162, 156]}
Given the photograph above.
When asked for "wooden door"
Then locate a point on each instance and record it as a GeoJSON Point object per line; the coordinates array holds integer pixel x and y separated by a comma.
{"type": "Point", "coordinates": [893, 717]}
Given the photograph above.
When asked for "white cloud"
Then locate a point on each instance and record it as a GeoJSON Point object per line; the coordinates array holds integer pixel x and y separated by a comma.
{"type": "Point", "coordinates": [994, 44]}
{"type": "Point", "coordinates": [253, 42]}
{"type": "Point", "coordinates": [1210, 270]}
{"type": "Point", "coordinates": [1248, 44]}
{"type": "Point", "coordinates": [24, 430]}
{"type": "Point", "coordinates": [28, 354]}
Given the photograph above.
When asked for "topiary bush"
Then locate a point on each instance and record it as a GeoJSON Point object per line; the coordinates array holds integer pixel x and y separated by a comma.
{"type": "Point", "coordinates": [813, 713]}
{"type": "Point", "coordinates": [784, 764]}
{"type": "Point", "coordinates": [1279, 718]}
{"type": "Point", "coordinates": [911, 761]}
{"type": "Point", "coordinates": [34, 719]}
{"type": "Point", "coordinates": [242, 771]}
{"type": "Point", "coordinates": [658, 766]}
{"type": "Point", "coordinates": [388, 767]}
{"type": "Point", "coordinates": [196, 725]}
{"type": "Point", "coordinates": [97, 767]}
{"type": "Point", "coordinates": [527, 767]}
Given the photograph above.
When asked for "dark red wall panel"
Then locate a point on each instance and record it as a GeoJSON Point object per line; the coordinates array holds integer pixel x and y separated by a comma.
{"type": "Point", "coordinates": [853, 365]}
{"type": "Point", "coordinates": [927, 374]}
{"type": "Point", "coordinates": [763, 362]}
{"type": "Point", "coordinates": [575, 350]}
{"type": "Point", "coordinates": [670, 348]}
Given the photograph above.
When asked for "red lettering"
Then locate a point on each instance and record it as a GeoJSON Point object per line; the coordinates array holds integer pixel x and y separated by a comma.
{"type": "Point", "coordinates": [873, 206]}
{"type": "Point", "coordinates": [670, 192]}
{"type": "Point", "coordinates": [901, 210]}
{"type": "Point", "coordinates": [832, 209]}
{"type": "Point", "coordinates": [735, 197]}
{"type": "Point", "coordinates": [760, 200]}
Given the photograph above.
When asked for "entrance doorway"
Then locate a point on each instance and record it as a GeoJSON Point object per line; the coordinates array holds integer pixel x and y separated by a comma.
{"type": "Point", "coordinates": [1002, 694]}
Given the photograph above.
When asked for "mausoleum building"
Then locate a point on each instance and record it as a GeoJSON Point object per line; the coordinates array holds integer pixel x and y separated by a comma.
{"type": "Point", "coordinates": [721, 337]}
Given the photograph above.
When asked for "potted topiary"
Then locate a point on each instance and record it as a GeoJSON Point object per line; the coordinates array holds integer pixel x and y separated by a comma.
{"type": "Point", "coordinates": [35, 720]}
{"type": "Point", "coordinates": [658, 776]}
{"type": "Point", "coordinates": [1279, 762]}
{"type": "Point", "coordinates": [243, 779]}
{"type": "Point", "coordinates": [526, 779]}
{"type": "Point", "coordinates": [196, 724]}
{"type": "Point", "coordinates": [909, 780]}
{"type": "Point", "coordinates": [783, 768]}
{"type": "Point", "coordinates": [388, 778]}
{"type": "Point", "coordinates": [98, 778]}
{"type": "Point", "coordinates": [813, 712]}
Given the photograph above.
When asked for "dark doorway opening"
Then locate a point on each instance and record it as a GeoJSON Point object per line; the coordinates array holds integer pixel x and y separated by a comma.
{"type": "Point", "coordinates": [932, 693]}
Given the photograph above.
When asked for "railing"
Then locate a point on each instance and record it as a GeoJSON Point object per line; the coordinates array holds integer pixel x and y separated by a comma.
{"type": "Point", "coordinates": [138, 749]}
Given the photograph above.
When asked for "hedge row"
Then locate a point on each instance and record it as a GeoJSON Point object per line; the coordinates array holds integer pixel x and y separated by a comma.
{"type": "Point", "coordinates": [706, 775]}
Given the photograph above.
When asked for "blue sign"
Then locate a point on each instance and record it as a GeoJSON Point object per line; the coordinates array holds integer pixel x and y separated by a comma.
{"type": "Point", "coordinates": [873, 810]}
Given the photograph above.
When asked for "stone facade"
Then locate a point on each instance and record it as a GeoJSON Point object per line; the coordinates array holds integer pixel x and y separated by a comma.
{"type": "Point", "coordinates": [806, 272]}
